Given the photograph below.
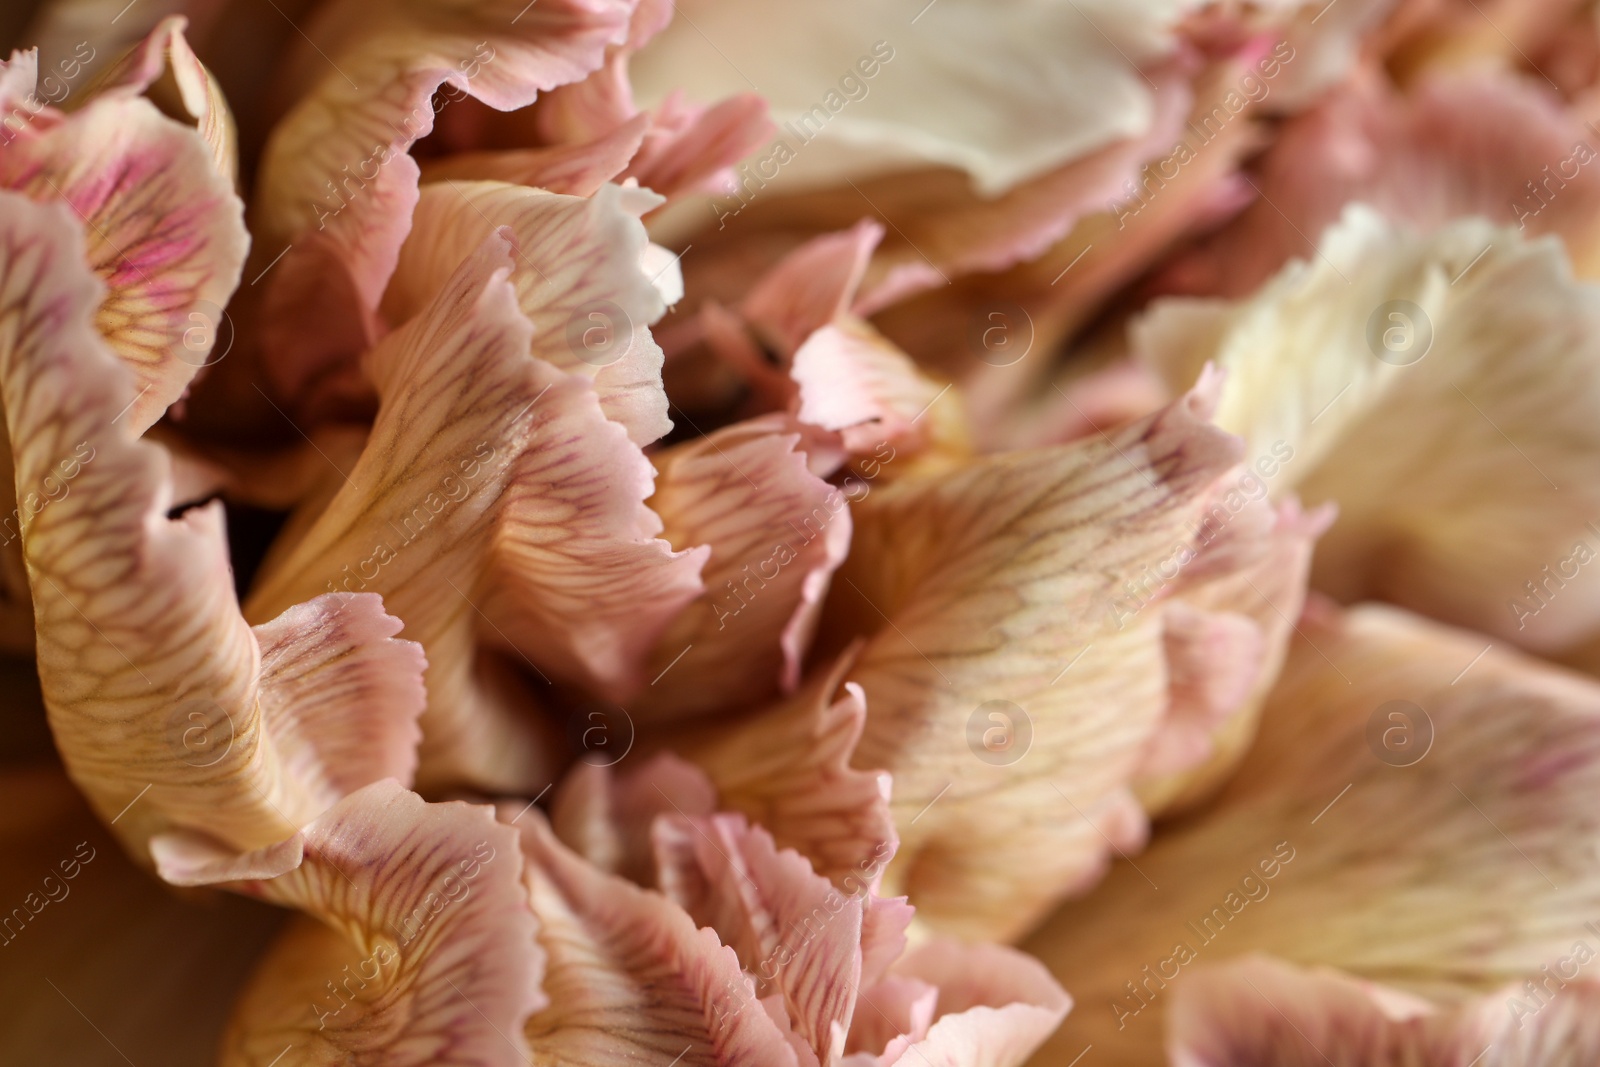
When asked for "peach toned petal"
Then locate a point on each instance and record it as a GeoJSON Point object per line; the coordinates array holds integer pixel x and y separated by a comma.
{"type": "Point", "coordinates": [164, 68]}
{"type": "Point", "coordinates": [607, 818]}
{"type": "Point", "coordinates": [578, 279]}
{"type": "Point", "coordinates": [949, 232]}
{"type": "Point", "coordinates": [996, 1005]}
{"type": "Point", "coordinates": [686, 147]}
{"type": "Point", "coordinates": [1261, 1011]}
{"type": "Point", "coordinates": [898, 1013]}
{"type": "Point", "coordinates": [494, 505]}
{"type": "Point", "coordinates": [1482, 143]}
{"type": "Point", "coordinates": [788, 769]}
{"type": "Point", "coordinates": [577, 169]}
{"type": "Point", "coordinates": [811, 287]}
{"type": "Point", "coordinates": [853, 380]}
{"type": "Point", "coordinates": [162, 228]}
{"type": "Point", "coordinates": [1493, 359]}
{"type": "Point", "coordinates": [990, 594]}
{"type": "Point", "coordinates": [423, 950]}
{"type": "Point", "coordinates": [1400, 816]}
{"type": "Point", "coordinates": [793, 931]}
{"type": "Point", "coordinates": [338, 161]}
{"type": "Point", "coordinates": [776, 533]}
{"type": "Point", "coordinates": [158, 691]}
{"type": "Point", "coordinates": [629, 978]}
{"type": "Point", "coordinates": [1246, 616]}
{"type": "Point", "coordinates": [692, 149]}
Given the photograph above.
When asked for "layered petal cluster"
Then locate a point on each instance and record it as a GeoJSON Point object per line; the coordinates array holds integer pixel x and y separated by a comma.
{"type": "Point", "coordinates": [460, 934]}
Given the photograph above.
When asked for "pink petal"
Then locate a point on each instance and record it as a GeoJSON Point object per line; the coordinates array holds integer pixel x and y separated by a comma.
{"type": "Point", "coordinates": [153, 681]}
{"type": "Point", "coordinates": [776, 533]}
{"type": "Point", "coordinates": [424, 950]}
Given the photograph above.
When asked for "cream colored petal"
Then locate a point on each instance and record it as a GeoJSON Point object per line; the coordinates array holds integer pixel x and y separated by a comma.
{"type": "Point", "coordinates": [1406, 815]}
{"type": "Point", "coordinates": [1492, 354]}
{"type": "Point", "coordinates": [164, 68]}
{"type": "Point", "coordinates": [1003, 93]}
{"type": "Point", "coordinates": [169, 711]}
{"type": "Point", "coordinates": [776, 532]}
{"type": "Point", "coordinates": [162, 229]}
{"type": "Point", "coordinates": [419, 949]}
{"type": "Point", "coordinates": [1008, 691]}
{"type": "Point", "coordinates": [578, 279]}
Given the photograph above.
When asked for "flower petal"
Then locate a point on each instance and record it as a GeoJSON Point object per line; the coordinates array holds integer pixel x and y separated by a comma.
{"type": "Point", "coordinates": [164, 68]}
{"type": "Point", "coordinates": [628, 976]}
{"type": "Point", "coordinates": [494, 497]}
{"type": "Point", "coordinates": [1480, 143]}
{"type": "Point", "coordinates": [1337, 359]}
{"type": "Point", "coordinates": [423, 947]}
{"type": "Point", "coordinates": [793, 931]}
{"type": "Point", "coordinates": [153, 681]}
{"type": "Point", "coordinates": [980, 589]}
{"type": "Point", "coordinates": [776, 532]}
{"type": "Point", "coordinates": [996, 1005]}
{"type": "Point", "coordinates": [577, 170]}
{"type": "Point", "coordinates": [373, 80]}
{"type": "Point", "coordinates": [788, 769]}
{"type": "Point", "coordinates": [1001, 93]}
{"type": "Point", "coordinates": [162, 228]}
{"type": "Point", "coordinates": [578, 279]}
{"type": "Point", "coordinates": [1405, 815]}
{"type": "Point", "coordinates": [1259, 1011]}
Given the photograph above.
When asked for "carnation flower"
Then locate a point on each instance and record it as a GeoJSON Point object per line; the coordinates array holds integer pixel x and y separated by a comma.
{"type": "Point", "coordinates": [612, 531]}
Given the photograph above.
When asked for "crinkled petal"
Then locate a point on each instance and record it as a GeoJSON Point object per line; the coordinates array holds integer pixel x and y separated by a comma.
{"type": "Point", "coordinates": [1406, 814]}
{"type": "Point", "coordinates": [608, 818]}
{"type": "Point", "coordinates": [338, 161]}
{"type": "Point", "coordinates": [793, 931]}
{"type": "Point", "coordinates": [422, 949]}
{"type": "Point", "coordinates": [578, 279]}
{"type": "Point", "coordinates": [494, 500]}
{"type": "Point", "coordinates": [162, 229]}
{"type": "Point", "coordinates": [629, 978]}
{"type": "Point", "coordinates": [164, 68]}
{"type": "Point", "coordinates": [788, 769]}
{"type": "Point", "coordinates": [776, 532]}
{"type": "Point", "coordinates": [991, 594]}
{"type": "Point", "coordinates": [1494, 354]}
{"type": "Point", "coordinates": [169, 711]}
